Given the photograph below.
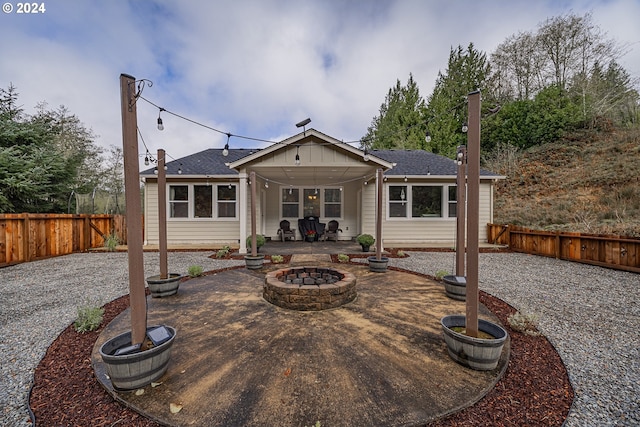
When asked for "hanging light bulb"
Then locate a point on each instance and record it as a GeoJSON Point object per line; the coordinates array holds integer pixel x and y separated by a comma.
{"type": "Point", "coordinates": [465, 127]}
{"type": "Point", "coordinates": [180, 169]}
{"type": "Point", "coordinates": [298, 155]}
{"type": "Point", "coordinates": [290, 190]}
{"type": "Point", "coordinates": [266, 184]}
{"type": "Point", "coordinates": [405, 178]}
{"type": "Point", "coordinates": [427, 137]}
{"type": "Point", "coordinates": [146, 160]}
{"type": "Point", "coordinates": [225, 150]}
{"type": "Point", "coordinates": [155, 170]}
{"type": "Point", "coordinates": [160, 125]}
{"type": "Point", "coordinates": [366, 155]}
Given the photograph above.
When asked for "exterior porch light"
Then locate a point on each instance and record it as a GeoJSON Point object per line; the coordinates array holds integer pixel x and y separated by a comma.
{"type": "Point", "coordinates": [160, 125]}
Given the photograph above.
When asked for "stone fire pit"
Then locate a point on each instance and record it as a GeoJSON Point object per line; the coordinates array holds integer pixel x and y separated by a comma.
{"type": "Point", "coordinates": [309, 288]}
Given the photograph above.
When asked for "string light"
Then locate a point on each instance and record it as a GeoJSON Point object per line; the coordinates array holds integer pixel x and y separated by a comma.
{"type": "Point", "coordinates": [160, 125]}
{"type": "Point", "coordinates": [366, 155]}
{"type": "Point", "coordinates": [266, 184]}
{"type": "Point", "coordinates": [297, 155]}
{"type": "Point", "coordinates": [427, 137]}
{"type": "Point", "coordinates": [225, 150]}
{"type": "Point", "coordinates": [465, 127]}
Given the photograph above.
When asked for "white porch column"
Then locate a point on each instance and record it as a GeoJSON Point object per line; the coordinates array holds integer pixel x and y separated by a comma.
{"type": "Point", "coordinates": [243, 208]}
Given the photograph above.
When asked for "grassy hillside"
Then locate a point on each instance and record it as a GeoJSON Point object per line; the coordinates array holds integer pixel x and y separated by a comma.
{"type": "Point", "coordinates": [587, 182]}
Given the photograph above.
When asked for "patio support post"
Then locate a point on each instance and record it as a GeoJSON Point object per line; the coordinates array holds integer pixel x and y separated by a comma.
{"type": "Point", "coordinates": [254, 248]}
{"type": "Point", "coordinates": [379, 214]}
{"type": "Point", "coordinates": [242, 197]}
{"type": "Point", "coordinates": [473, 226]}
{"type": "Point", "coordinates": [162, 214]}
{"type": "Point", "coordinates": [461, 209]}
{"type": "Point", "coordinates": [137, 298]}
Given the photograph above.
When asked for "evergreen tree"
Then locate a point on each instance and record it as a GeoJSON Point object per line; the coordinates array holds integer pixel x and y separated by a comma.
{"type": "Point", "coordinates": [467, 70]}
{"type": "Point", "coordinates": [400, 123]}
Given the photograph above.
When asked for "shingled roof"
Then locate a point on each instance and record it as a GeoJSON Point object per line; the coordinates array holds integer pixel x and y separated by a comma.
{"type": "Point", "coordinates": [211, 162]}
{"type": "Point", "coordinates": [420, 162]}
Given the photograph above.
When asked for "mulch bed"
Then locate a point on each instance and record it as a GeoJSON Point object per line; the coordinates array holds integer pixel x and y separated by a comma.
{"type": "Point", "coordinates": [535, 390]}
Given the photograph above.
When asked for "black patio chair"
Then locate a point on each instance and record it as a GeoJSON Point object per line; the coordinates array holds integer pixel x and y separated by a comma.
{"type": "Point", "coordinates": [285, 230]}
{"type": "Point", "coordinates": [332, 230]}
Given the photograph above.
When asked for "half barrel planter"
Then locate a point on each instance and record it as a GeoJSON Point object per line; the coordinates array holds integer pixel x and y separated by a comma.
{"type": "Point", "coordinates": [481, 354]}
{"type": "Point", "coordinates": [136, 369]}
{"type": "Point", "coordinates": [455, 287]}
{"type": "Point", "coordinates": [378, 265]}
{"type": "Point", "coordinates": [254, 262]}
{"type": "Point", "coordinates": [160, 287]}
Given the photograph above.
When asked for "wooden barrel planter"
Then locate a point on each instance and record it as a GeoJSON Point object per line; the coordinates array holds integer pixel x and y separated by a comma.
{"type": "Point", "coordinates": [481, 354]}
{"type": "Point", "coordinates": [378, 265]}
{"type": "Point", "coordinates": [135, 369]}
{"type": "Point", "coordinates": [164, 287]}
{"type": "Point", "coordinates": [254, 262]}
{"type": "Point", "coordinates": [455, 287]}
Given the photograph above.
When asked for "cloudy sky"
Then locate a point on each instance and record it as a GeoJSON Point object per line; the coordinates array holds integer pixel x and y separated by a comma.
{"type": "Point", "coordinates": [256, 68]}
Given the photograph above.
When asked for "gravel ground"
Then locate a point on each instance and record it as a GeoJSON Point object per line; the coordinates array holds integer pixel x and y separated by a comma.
{"type": "Point", "coordinates": [590, 314]}
{"type": "Point", "coordinates": [40, 299]}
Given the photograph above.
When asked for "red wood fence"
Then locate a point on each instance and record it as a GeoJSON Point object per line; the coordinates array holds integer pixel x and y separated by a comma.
{"type": "Point", "coordinates": [27, 237]}
{"type": "Point", "coordinates": [621, 253]}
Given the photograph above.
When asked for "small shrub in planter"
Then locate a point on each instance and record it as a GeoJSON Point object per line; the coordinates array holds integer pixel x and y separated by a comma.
{"type": "Point", "coordinates": [277, 259]}
{"type": "Point", "coordinates": [343, 258]}
{"type": "Point", "coordinates": [365, 240]}
{"type": "Point", "coordinates": [260, 241]}
{"type": "Point", "coordinates": [195, 271]}
{"type": "Point", "coordinates": [89, 319]}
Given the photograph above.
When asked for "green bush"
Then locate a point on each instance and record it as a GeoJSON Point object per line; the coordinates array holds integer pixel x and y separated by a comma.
{"type": "Point", "coordinates": [111, 242]}
{"type": "Point", "coordinates": [195, 270]}
{"type": "Point", "coordinates": [343, 258]}
{"type": "Point", "coordinates": [365, 239]}
{"type": "Point", "coordinates": [441, 273]}
{"type": "Point", "coordinates": [277, 259]}
{"type": "Point", "coordinates": [89, 319]}
{"type": "Point", "coordinates": [260, 240]}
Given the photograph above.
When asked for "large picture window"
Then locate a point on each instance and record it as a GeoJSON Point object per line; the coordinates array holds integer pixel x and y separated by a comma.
{"type": "Point", "coordinates": [332, 203]}
{"type": "Point", "coordinates": [426, 202]}
{"type": "Point", "coordinates": [198, 200]}
{"type": "Point", "coordinates": [203, 201]}
{"type": "Point", "coordinates": [421, 201]}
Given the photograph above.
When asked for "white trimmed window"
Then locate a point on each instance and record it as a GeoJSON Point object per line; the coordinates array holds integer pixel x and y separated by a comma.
{"type": "Point", "coordinates": [412, 201]}
{"type": "Point", "coordinates": [203, 201]}
{"type": "Point", "coordinates": [317, 202]}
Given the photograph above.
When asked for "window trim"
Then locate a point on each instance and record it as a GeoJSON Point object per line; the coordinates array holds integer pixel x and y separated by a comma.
{"type": "Point", "coordinates": [321, 193]}
{"type": "Point", "coordinates": [409, 202]}
{"type": "Point", "coordinates": [191, 202]}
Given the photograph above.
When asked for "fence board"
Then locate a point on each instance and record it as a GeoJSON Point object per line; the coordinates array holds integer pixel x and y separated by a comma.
{"type": "Point", "coordinates": [26, 237]}
{"type": "Point", "coordinates": [618, 252]}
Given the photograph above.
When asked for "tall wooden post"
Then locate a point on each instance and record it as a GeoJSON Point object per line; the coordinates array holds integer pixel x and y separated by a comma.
{"type": "Point", "coordinates": [137, 298]}
{"type": "Point", "coordinates": [379, 214]}
{"type": "Point", "coordinates": [254, 244]}
{"type": "Point", "coordinates": [461, 210]}
{"type": "Point", "coordinates": [162, 215]}
{"type": "Point", "coordinates": [473, 223]}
